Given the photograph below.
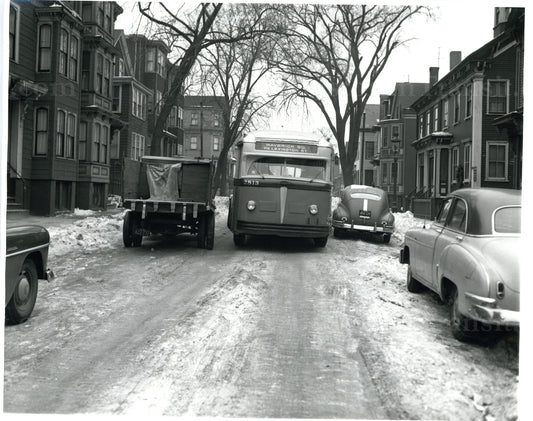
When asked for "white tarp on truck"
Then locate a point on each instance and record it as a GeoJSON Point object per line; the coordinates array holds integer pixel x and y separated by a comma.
{"type": "Point", "coordinates": [163, 178]}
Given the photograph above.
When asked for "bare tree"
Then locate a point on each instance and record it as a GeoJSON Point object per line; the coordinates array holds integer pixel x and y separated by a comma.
{"type": "Point", "coordinates": [332, 58]}
{"type": "Point", "coordinates": [189, 32]}
{"type": "Point", "coordinates": [235, 73]}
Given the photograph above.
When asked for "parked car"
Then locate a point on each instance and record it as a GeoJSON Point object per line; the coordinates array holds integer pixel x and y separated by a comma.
{"type": "Point", "coordinates": [470, 257]}
{"type": "Point", "coordinates": [363, 209]}
{"type": "Point", "coordinates": [26, 263]}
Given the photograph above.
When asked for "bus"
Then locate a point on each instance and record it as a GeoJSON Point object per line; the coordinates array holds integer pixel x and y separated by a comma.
{"type": "Point", "coordinates": [282, 187]}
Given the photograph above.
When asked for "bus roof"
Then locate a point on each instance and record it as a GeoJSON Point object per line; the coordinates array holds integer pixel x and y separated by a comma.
{"type": "Point", "coordinates": [285, 135]}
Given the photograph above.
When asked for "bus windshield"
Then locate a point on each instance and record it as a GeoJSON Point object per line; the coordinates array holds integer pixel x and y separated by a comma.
{"type": "Point", "coordinates": [314, 169]}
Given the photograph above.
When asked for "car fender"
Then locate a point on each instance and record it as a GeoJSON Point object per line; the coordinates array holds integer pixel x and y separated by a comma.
{"type": "Point", "coordinates": [340, 211]}
{"type": "Point", "coordinates": [466, 269]}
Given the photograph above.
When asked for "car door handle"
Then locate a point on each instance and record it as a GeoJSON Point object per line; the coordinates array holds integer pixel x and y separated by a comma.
{"type": "Point", "coordinates": [459, 237]}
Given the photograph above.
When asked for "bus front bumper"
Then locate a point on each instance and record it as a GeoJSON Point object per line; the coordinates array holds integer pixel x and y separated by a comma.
{"type": "Point", "coordinates": [282, 230]}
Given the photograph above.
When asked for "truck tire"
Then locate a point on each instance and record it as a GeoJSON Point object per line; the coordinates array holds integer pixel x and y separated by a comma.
{"type": "Point", "coordinates": [321, 241]}
{"type": "Point", "coordinates": [206, 231]}
{"type": "Point", "coordinates": [131, 223]}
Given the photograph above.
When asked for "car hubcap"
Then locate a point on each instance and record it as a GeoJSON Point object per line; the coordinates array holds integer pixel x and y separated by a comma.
{"type": "Point", "coordinates": [23, 289]}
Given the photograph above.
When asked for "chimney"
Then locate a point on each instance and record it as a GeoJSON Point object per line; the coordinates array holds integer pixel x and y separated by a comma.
{"type": "Point", "coordinates": [455, 59]}
{"type": "Point", "coordinates": [433, 76]}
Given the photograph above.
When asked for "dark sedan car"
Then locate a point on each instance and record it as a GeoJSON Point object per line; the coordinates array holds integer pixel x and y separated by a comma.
{"type": "Point", "coordinates": [470, 257]}
{"type": "Point", "coordinates": [363, 209]}
{"type": "Point", "coordinates": [26, 263]}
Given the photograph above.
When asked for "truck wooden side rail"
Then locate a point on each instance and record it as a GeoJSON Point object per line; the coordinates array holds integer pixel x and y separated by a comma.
{"type": "Point", "coordinates": [175, 197]}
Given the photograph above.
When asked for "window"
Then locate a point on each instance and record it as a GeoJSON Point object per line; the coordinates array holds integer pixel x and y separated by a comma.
{"type": "Point", "coordinates": [85, 70]}
{"type": "Point", "coordinates": [60, 136]}
{"type": "Point", "coordinates": [119, 69]}
{"type": "Point", "coordinates": [100, 13]}
{"type": "Point", "coordinates": [421, 127]}
{"type": "Point", "coordinates": [13, 32]}
{"type": "Point", "coordinates": [497, 96]}
{"type": "Point", "coordinates": [114, 148]}
{"type": "Point", "coordinates": [41, 132]}
{"type": "Point", "coordinates": [428, 123]}
{"type": "Point", "coordinates": [458, 216]}
{"type": "Point", "coordinates": [467, 160]}
{"type": "Point", "coordinates": [158, 102]}
{"type": "Point", "coordinates": [497, 156]}
{"type": "Point", "coordinates": [160, 63]}
{"type": "Point", "coordinates": [420, 162]}
{"type": "Point", "coordinates": [99, 73]}
{"type": "Point", "coordinates": [137, 146]}
{"type": "Point", "coordinates": [173, 117]}
{"type": "Point", "coordinates": [194, 119]}
{"type": "Point", "coordinates": [445, 113]}
{"type": "Point", "coordinates": [216, 121]}
{"type": "Point", "coordinates": [104, 144]}
{"type": "Point", "coordinates": [395, 132]}
{"type": "Point", "coordinates": [508, 220]}
{"type": "Point", "coordinates": [369, 150]}
{"type": "Point", "coordinates": [216, 143]}
{"type": "Point", "coordinates": [468, 109]}
{"type": "Point", "coordinates": [73, 62]}
{"type": "Point", "coordinates": [194, 143]}
{"type": "Point", "coordinates": [97, 138]}
{"type": "Point", "coordinates": [138, 105]}
{"type": "Point", "coordinates": [107, 16]}
{"type": "Point", "coordinates": [45, 48]}
{"type": "Point", "coordinates": [456, 106]}
{"type": "Point", "coordinates": [71, 136]}
{"type": "Point", "coordinates": [455, 163]}
{"type": "Point", "coordinates": [87, 12]}
{"type": "Point", "coordinates": [82, 142]}
{"type": "Point", "coordinates": [443, 213]}
{"type": "Point", "coordinates": [63, 52]}
{"type": "Point", "coordinates": [107, 81]}
{"type": "Point", "coordinates": [436, 118]}
{"type": "Point", "coordinates": [117, 98]}
{"type": "Point", "coordinates": [150, 60]}
{"type": "Point", "coordinates": [180, 117]}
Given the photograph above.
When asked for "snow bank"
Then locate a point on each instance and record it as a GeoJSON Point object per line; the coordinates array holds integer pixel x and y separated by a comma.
{"type": "Point", "coordinates": [89, 233]}
{"type": "Point", "coordinates": [403, 222]}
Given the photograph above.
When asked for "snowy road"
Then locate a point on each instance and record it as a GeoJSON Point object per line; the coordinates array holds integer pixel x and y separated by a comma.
{"type": "Point", "coordinates": [277, 328]}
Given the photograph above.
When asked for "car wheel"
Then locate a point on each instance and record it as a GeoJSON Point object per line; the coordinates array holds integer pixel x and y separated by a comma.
{"type": "Point", "coordinates": [321, 241]}
{"type": "Point", "coordinates": [463, 328]}
{"type": "Point", "coordinates": [412, 284]}
{"type": "Point", "coordinates": [338, 232]}
{"type": "Point", "coordinates": [130, 224]}
{"type": "Point", "coordinates": [386, 238]}
{"type": "Point", "coordinates": [239, 239]}
{"type": "Point", "coordinates": [23, 300]}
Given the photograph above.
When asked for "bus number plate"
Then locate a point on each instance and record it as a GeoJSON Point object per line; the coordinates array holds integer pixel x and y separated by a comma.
{"type": "Point", "coordinates": [251, 182]}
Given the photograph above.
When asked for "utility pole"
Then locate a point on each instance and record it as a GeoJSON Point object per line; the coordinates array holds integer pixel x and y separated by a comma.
{"type": "Point", "coordinates": [201, 129]}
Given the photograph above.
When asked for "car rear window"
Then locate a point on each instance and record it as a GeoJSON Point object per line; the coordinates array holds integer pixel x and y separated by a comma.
{"type": "Point", "coordinates": [368, 196]}
{"type": "Point", "coordinates": [508, 220]}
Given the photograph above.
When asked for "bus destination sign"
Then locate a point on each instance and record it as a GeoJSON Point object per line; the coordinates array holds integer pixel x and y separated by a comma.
{"type": "Point", "coordinates": [286, 147]}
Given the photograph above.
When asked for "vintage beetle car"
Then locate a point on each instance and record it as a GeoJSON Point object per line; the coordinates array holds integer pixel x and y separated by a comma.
{"type": "Point", "coordinates": [470, 257]}
{"type": "Point", "coordinates": [363, 209]}
{"type": "Point", "coordinates": [26, 261]}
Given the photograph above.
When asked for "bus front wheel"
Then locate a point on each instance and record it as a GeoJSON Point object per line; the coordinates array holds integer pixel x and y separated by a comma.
{"type": "Point", "coordinates": [239, 239]}
{"type": "Point", "coordinates": [321, 241]}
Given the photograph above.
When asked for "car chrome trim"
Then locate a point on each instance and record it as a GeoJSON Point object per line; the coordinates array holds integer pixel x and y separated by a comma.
{"type": "Point", "coordinates": [373, 228]}
{"type": "Point", "coordinates": [49, 275]}
{"type": "Point", "coordinates": [480, 300]}
{"type": "Point", "coordinates": [26, 250]}
{"type": "Point", "coordinates": [496, 316]}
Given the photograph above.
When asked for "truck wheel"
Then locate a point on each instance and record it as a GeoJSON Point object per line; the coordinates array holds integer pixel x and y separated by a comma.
{"type": "Point", "coordinates": [239, 239]}
{"type": "Point", "coordinates": [131, 223]}
{"type": "Point", "coordinates": [386, 238]}
{"type": "Point", "coordinates": [206, 231]}
{"type": "Point", "coordinates": [23, 300]}
{"type": "Point", "coordinates": [321, 241]}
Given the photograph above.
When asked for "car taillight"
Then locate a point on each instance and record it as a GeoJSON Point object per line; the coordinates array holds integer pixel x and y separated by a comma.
{"type": "Point", "coordinates": [500, 290]}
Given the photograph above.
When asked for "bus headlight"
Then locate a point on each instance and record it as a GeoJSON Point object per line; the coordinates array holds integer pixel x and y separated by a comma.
{"type": "Point", "coordinates": [313, 209]}
{"type": "Point", "coordinates": [250, 205]}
